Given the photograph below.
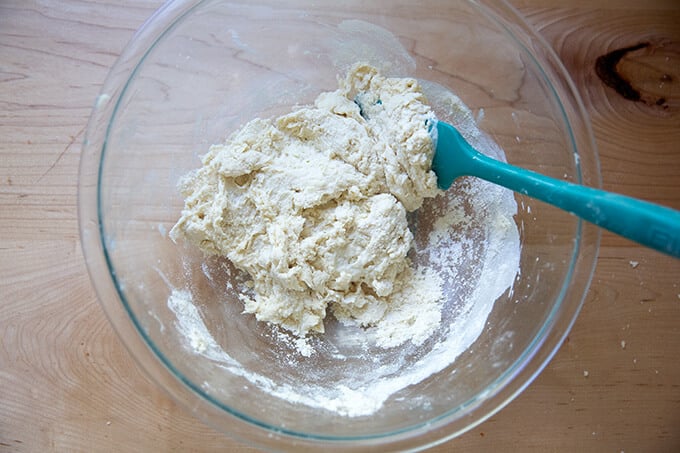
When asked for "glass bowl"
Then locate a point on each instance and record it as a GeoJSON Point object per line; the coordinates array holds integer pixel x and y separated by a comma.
{"type": "Point", "coordinates": [194, 73]}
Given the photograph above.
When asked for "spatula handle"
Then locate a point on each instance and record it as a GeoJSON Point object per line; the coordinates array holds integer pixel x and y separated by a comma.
{"type": "Point", "coordinates": [651, 225]}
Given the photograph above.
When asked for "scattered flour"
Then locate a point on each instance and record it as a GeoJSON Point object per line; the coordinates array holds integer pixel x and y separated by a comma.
{"type": "Point", "coordinates": [469, 248]}
{"type": "Point", "coordinates": [463, 254]}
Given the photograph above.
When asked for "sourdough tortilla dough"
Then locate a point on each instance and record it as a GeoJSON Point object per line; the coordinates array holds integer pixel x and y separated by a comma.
{"type": "Point", "coordinates": [313, 206]}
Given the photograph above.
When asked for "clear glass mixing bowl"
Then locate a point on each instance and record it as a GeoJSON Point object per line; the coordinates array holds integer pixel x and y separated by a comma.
{"type": "Point", "coordinates": [196, 71]}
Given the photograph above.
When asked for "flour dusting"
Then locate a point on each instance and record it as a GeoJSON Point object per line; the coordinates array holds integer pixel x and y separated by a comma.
{"type": "Point", "coordinates": [448, 258]}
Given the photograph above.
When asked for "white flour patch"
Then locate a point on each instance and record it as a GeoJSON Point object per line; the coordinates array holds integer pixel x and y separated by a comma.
{"type": "Point", "coordinates": [465, 256]}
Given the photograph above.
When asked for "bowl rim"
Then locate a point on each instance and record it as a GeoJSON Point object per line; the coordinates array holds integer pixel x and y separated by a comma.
{"type": "Point", "coordinates": [515, 379]}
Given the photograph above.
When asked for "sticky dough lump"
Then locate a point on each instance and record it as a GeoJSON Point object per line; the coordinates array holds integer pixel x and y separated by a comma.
{"type": "Point", "coordinates": [312, 205]}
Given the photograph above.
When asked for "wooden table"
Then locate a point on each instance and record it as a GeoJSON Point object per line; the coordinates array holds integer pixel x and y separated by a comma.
{"type": "Point", "coordinates": [66, 382]}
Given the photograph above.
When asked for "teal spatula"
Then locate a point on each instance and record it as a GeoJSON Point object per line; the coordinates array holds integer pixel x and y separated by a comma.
{"type": "Point", "coordinates": [651, 225]}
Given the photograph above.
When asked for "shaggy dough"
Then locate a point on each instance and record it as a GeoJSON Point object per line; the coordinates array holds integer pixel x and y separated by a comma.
{"type": "Point", "coordinates": [313, 204]}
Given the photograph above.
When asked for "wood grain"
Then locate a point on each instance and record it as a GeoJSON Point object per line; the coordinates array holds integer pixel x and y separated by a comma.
{"type": "Point", "coordinates": [66, 382]}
